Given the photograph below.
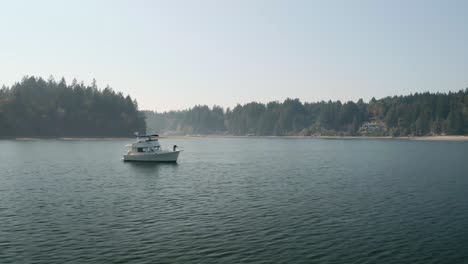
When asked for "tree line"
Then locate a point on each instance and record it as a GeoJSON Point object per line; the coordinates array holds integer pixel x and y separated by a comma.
{"type": "Point", "coordinates": [417, 114]}
{"type": "Point", "coordinates": [35, 107]}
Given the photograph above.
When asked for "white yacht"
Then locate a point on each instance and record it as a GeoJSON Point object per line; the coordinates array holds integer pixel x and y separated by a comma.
{"type": "Point", "coordinates": [147, 148]}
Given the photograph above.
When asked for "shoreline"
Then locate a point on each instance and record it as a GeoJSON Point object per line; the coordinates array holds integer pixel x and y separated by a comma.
{"type": "Point", "coordinates": [422, 138]}
{"type": "Point", "coordinates": [65, 138]}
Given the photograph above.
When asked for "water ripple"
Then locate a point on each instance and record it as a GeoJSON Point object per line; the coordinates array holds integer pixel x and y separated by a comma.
{"type": "Point", "coordinates": [283, 201]}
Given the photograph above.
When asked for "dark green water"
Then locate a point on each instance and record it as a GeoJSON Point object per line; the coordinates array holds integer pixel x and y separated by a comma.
{"type": "Point", "coordinates": [235, 200]}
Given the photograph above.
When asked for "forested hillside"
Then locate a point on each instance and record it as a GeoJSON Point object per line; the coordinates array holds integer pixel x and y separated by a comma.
{"type": "Point", "coordinates": [38, 108]}
{"type": "Point", "coordinates": [412, 115]}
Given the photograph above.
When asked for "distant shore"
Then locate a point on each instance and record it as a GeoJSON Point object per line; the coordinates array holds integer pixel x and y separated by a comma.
{"type": "Point", "coordinates": [442, 138]}
{"type": "Point", "coordinates": [66, 138]}
{"type": "Point", "coordinates": [422, 138]}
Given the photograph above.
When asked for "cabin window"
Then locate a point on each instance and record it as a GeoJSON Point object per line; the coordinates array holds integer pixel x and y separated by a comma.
{"type": "Point", "coordinates": [140, 149]}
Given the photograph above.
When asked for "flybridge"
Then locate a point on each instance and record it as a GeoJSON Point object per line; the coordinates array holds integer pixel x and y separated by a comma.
{"type": "Point", "coordinates": [146, 136]}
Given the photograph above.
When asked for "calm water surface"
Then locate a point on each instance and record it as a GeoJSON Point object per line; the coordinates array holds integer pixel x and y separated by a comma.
{"type": "Point", "coordinates": [245, 200]}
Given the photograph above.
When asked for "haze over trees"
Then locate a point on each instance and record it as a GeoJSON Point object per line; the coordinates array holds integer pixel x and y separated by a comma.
{"type": "Point", "coordinates": [35, 107]}
{"type": "Point", "coordinates": [411, 115]}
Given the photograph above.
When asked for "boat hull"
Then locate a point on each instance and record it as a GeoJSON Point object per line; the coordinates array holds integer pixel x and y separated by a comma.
{"type": "Point", "coordinates": [153, 157]}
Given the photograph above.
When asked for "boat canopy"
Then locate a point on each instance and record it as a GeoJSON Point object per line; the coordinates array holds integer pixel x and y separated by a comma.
{"type": "Point", "coordinates": [148, 136]}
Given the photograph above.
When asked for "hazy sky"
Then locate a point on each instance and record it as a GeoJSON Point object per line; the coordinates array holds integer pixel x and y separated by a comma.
{"type": "Point", "coordinates": [175, 54]}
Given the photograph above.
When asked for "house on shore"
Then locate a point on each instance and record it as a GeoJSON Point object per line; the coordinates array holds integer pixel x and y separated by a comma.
{"type": "Point", "coordinates": [373, 127]}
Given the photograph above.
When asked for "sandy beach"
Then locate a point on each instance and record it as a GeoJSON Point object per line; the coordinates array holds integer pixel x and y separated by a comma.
{"type": "Point", "coordinates": [423, 138]}
{"type": "Point", "coordinates": [441, 138]}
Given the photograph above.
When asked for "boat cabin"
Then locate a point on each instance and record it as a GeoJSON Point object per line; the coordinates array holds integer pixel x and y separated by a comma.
{"type": "Point", "coordinates": [145, 144]}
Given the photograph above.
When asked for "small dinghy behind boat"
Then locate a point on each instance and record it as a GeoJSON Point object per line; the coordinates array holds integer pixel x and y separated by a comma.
{"type": "Point", "coordinates": [147, 148]}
